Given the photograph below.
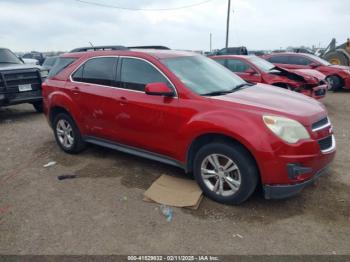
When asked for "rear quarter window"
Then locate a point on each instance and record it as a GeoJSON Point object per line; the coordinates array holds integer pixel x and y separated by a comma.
{"type": "Point", "coordinates": [61, 63]}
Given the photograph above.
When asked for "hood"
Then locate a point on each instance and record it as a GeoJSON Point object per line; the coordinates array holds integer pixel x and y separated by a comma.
{"type": "Point", "coordinates": [309, 72]}
{"type": "Point", "coordinates": [17, 66]}
{"type": "Point", "coordinates": [274, 100]}
{"type": "Point", "coordinates": [299, 73]}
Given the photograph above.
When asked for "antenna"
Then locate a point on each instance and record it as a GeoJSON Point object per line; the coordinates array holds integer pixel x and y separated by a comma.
{"type": "Point", "coordinates": [91, 44]}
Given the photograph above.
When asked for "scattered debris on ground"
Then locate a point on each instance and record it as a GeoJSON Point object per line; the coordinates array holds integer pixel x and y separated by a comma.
{"type": "Point", "coordinates": [167, 212]}
{"type": "Point", "coordinates": [51, 163]}
{"type": "Point", "coordinates": [63, 177]}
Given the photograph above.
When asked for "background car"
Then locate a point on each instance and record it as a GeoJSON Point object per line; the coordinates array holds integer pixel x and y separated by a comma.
{"type": "Point", "coordinates": [337, 76]}
{"type": "Point", "coordinates": [30, 61]}
{"type": "Point", "coordinates": [239, 50]}
{"type": "Point", "coordinates": [35, 55]}
{"type": "Point", "coordinates": [20, 83]}
{"type": "Point", "coordinates": [257, 70]}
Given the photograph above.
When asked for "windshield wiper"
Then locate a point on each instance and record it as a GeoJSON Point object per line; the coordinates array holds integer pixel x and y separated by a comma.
{"type": "Point", "coordinates": [224, 92]}
{"type": "Point", "coordinates": [217, 93]}
{"type": "Point", "coordinates": [242, 85]}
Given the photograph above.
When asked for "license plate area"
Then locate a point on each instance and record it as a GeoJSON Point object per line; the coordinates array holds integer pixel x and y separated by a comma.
{"type": "Point", "coordinates": [24, 88]}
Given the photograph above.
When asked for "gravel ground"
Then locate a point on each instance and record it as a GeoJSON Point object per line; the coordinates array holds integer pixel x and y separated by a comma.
{"type": "Point", "coordinates": [102, 212]}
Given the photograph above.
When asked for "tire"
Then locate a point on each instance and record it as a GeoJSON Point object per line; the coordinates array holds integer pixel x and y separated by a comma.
{"type": "Point", "coordinates": [38, 106]}
{"type": "Point", "coordinates": [244, 174]}
{"type": "Point", "coordinates": [67, 134]}
{"type": "Point", "coordinates": [336, 58]}
{"type": "Point", "coordinates": [335, 83]}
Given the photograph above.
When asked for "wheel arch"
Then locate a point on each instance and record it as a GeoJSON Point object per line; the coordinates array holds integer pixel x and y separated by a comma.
{"type": "Point", "coordinates": [204, 139]}
{"type": "Point", "coordinates": [55, 111]}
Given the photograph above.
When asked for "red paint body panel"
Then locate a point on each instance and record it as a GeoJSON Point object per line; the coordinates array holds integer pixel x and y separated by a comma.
{"type": "Point", "coordinates": [341, 71]}
{"type": "Point", "coordinates": [308, 77]}
{"type": "Point", "coordinates": [169, 125]}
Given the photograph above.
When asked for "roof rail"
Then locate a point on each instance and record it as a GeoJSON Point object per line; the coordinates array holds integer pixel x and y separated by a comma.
{"type": "Point", "coordinates": [99, 48]}
{"type": "Point", "coordinates": [160, 47]}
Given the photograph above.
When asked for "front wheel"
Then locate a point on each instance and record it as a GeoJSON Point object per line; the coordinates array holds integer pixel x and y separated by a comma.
{"type": "Point", "coordinates": [225, 172]}
{"type": "Point", "coordinates": [334, 82]}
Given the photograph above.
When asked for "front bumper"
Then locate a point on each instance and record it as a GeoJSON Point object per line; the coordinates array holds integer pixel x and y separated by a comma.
{"type": "Point", "coordinates": [285, 191]}
{"type": "Point", "coordinates": [7, 99]}
{"type": "Point", "coordinates": [347, 83]}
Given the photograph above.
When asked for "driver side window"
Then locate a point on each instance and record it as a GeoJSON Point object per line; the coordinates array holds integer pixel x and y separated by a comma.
{"type": "Point", "coordinates": [136, 74]}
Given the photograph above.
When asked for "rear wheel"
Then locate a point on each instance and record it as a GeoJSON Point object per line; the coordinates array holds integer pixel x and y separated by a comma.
{"type": "Point", "coordinates": [38, 106]}
{"type": "Point", "coordinates": [335, 83]}
{"type": "Point", "coordinates": [67, 134]}
{"type": "Point", "coordinates": [225, 172]}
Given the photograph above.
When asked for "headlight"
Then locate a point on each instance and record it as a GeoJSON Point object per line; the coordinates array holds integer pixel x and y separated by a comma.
{"type": "Point", "coordinates": [44, 73]}
{"type": "Point", "coordinates": [287, 129]}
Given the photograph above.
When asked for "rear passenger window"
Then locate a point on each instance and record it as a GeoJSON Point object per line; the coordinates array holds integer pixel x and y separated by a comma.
{"type": "Point", "coordinates": [136, 74]}
{"type": "Point", "coordinates": [99, 71]}
{"type": "Point", "coordinates": [237, 65]}
{"type": "Point", "coordinates": [279, 59]}
{"type": "Point", "coordinates": [299, 60]}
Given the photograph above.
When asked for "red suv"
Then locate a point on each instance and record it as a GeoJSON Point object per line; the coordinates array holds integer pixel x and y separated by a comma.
{"type": "Point", "coordinates": [337, 76]}
{"type": "Point", "coordinates": [186, 110]}
{"type": "Point", "coordinates": [257, 70]}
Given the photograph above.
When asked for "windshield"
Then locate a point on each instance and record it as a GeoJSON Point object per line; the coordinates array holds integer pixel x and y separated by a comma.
{"type": "Point", "coordinates": [319, 60]}
{"type": "Point", "coordinates": [262, 64]}
{"type": "Point", "coordinates": [203, 75]}
{"type": "Point", "coordinates": [7, 57]}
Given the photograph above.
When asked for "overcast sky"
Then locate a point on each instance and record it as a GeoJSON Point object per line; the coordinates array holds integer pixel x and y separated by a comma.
{"type": "Point", "coordinates": [258, 24]}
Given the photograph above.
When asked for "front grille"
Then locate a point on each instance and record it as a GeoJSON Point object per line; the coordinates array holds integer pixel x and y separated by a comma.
{"type": "Point", "coordinates": [2, 84]}
{"type": "Point", "coordinates": [326, 143]}
{"type": "Point", "coordinates": [323, 123]}
{"type": "Point", "coordinates": [14, 79]}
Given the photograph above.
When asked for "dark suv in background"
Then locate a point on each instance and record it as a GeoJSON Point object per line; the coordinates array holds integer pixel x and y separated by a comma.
{"type": "Point", "coordinates": [19, 82]}
{"type": "Point", "coordinates": [35, 55]}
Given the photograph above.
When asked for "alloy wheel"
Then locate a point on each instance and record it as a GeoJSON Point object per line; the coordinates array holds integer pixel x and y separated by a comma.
{"type": "Point", "coordinates": [221, 174]}
{"type": "Point", "coordinates": [65, 133]}
{"type": "Point", "coordinates": [330, 81]}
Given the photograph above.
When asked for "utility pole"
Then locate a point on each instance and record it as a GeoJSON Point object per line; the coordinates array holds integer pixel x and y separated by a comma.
{"type": "Point", "coordinates": [228, 22]}
{"type": "Point", "coordinates": [210, 41]}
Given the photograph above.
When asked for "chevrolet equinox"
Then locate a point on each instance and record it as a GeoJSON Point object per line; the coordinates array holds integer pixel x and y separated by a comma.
{"type": "Point", "coordinates": [187, 110]}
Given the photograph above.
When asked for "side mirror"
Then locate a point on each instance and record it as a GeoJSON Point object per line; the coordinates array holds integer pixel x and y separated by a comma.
{"type": "Point", "coordinates": [250, 71]}
{"type": "Point", "coordinates": [313, 65]}
{"type": "Point", "coordinates": [159, 89]}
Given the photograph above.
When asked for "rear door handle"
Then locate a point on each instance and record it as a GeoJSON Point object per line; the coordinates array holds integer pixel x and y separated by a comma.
{"type": "Point", "coordinates": [123, 101]}
{"type": "Point", "coordinates": [76, 90]}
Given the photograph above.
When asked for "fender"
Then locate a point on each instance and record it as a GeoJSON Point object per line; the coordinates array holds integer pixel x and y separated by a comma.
{"type": "Point", "coordinates": [237, 126]}
{"type": "Point", "coordinates": [61, 99]}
